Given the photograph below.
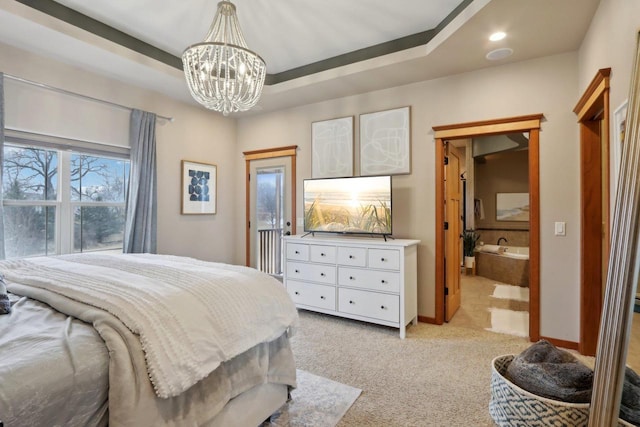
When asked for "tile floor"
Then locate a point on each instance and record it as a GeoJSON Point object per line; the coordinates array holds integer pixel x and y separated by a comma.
{"type": "Point", "coordinates": [478, 305]}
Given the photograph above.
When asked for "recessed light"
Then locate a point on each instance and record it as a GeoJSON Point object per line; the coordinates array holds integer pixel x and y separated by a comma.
{"type": "Point", "coordinates": [501, 53]}
{"type": "Point", "coordinates": [497, 36]}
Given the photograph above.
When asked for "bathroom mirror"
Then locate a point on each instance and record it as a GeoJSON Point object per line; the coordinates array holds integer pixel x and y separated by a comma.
{"type": "Point", "coordinates": [623, 273]}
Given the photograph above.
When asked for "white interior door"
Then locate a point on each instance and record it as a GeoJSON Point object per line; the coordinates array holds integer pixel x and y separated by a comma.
{"type": "Point", "coordinates": [270, 212]}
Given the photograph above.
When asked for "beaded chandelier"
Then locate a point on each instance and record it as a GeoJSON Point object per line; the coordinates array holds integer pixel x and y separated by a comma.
{"type": "Point", "coordinates": [221, 72]}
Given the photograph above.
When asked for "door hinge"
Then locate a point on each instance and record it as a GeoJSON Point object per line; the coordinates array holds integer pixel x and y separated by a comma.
{"type": "Point", "coordinates": [446, 160]}
{"type": "Point", "coordinates": [446, 291]}
{"type": "Point", "coordinates": [249, 225]}
{"type": "Point", "coordinates": [248, 177]}
{"type": "Point", "coordinates": [446, 225]}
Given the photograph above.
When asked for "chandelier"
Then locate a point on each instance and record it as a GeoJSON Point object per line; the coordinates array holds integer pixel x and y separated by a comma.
{"type": "Point", "coordinates": [221, 72]}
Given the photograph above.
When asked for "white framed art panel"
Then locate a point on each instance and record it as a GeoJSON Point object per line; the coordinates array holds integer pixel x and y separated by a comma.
{"type": "Point", "coordinates": [619, 126]}
{"type": "Point", "coordinates": [332, 148]}
{"type": "Point", "coordinates": [385, 142]}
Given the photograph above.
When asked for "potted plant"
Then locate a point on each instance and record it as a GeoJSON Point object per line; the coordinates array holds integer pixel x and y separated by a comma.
{"type": "Point", "coordinates": [469, 240]}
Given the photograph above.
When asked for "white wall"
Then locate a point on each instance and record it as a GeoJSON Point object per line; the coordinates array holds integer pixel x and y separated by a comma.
{"type": "Point", "coordinates": [547, 85]}
{"type": "Point", "coordinates": [195, 134]}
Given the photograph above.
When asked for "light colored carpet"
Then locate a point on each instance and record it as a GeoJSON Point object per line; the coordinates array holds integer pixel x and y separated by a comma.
{"type": "Point", "coordinates": [317, 402]}
{"type": "Point", "coordinates": [438, 376]}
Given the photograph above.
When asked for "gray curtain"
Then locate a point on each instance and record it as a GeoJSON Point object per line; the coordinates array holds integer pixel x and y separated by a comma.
{"type": "Point", "coordinates": [2, 253]}
{"type": "Point", "coordinates": [141, 216]}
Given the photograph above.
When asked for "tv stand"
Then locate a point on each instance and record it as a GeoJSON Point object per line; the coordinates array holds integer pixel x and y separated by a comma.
{"type": "Point", "coordinates": [355, 277]}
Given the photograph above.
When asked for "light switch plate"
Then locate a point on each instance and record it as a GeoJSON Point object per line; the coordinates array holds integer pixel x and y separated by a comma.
{"type": "Point", "coordinates": [561, 229]}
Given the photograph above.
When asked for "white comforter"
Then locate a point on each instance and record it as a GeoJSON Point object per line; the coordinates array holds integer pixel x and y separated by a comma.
{"type": "Point", "coordinates": [189, 316]}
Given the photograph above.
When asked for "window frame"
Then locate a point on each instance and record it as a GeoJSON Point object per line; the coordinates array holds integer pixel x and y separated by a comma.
{"type": "Point", "coordinates": [65, 207]}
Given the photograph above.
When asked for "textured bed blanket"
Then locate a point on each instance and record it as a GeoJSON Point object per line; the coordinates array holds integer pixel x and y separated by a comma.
{"type": "Point", "coordinates": [169, 319]}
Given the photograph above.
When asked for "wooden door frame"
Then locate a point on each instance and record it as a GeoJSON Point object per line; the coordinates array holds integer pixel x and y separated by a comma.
{"type": "Point", "coordinates": [593, 117]}
{"type": "Point", "coordinates": [529, 124]}
{"type": "Point", "coordinates": [267, 153]}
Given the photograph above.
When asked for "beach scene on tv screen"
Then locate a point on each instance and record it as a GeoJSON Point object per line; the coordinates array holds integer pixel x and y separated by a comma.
{"type": "Point", "coordinates": [348, 205]}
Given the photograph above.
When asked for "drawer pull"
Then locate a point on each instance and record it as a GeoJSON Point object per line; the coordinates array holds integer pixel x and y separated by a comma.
{"type": "Point", "coordinates": [297, 252]}
{"type": "Point", "coordinates": [297, 271]}
{"type": "Point", "coordinates": [350, 256]}
{"type": "Point", "coordinates": [383, 307]}
{"type": "Point", "coordinates": [351, 302]}
{"type": "Point", "coordinates": [383, 281]}
{"type": "Point", "coordinates": [322, 274]}
{"type": "Point", "coordinates": [322, 254]}
{"type": "Point", "coordinates": [382, 259]}
{"type": "Point", "coordinates": [297, 293]}
{"type": "Point", "coordinates": [322, 297]}
{"type": "Point", "coordinates": [352, 278]}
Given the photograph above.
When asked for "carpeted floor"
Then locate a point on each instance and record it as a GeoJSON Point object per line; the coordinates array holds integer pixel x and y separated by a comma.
{"type": "Point", "coordinates": [438, 376]}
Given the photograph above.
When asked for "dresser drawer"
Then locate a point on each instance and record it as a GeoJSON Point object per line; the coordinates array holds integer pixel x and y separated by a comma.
{"type": "Point", "coordinates": [388, 259]}
{"type": "Point", "coordinates": [326, 254]}
{"type": "Point", "coordinates": [321, 296]}
{"type": "Point", "coordinates": [376, 280]}
{"type": "Point", "coordinates": [297, 251]}
{"type": "Point", "coordinates": [369, 304]}
{"type": "Point", "coordinates": [312, 272]}
{"type": "Point", "coordinates": [356, 257]}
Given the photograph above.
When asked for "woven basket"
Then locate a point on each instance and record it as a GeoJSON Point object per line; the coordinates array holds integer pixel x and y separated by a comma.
{"type": "Point", "coordinates": [512, 406]}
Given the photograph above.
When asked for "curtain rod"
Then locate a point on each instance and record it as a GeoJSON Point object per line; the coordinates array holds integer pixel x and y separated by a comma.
{"type": "Point", "coordinates": [78, 95]}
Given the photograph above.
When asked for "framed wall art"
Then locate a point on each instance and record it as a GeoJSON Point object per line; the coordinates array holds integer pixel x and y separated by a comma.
{"type": "Point", "coordinates": [385, 143]}
{"type": "Point", "coordinates": [332, 148]}
{"type": "Point", "coordinates": [619, 128]}
{"type": "Point", "coordinates": [199, 182]}
{"type": "Point", "coordinates": [512, 206]}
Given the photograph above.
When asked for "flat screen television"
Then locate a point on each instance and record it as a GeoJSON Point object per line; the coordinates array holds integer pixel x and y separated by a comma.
{"type": "Point", "coordinates": [357, 205]}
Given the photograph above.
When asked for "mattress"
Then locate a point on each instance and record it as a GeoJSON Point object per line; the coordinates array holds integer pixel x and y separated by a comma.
{"type": "Point", "coordinates": [51, 363]}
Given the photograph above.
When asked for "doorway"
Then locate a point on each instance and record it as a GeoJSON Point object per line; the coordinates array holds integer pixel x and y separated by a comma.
{"type": "Point", "coordinates": [592, 111]}
{"type": "Point", "coordinates": [529, 124]}
{"type": "Point", "coordinates": [270, 212]}
{"type": "Point", "coordinates": [270, 206]}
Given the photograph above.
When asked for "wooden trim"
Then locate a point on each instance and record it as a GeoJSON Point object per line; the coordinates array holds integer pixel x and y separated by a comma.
{"type": "Point", "coordinates": [440, 285]}
{"type": "Point", "coordinates": [593, 115]}
{"type": "Point", "coordinates": [529, 124]}
{"type": "Point", "coordinates": [267, 153]}
{"type": "Point", "coordinates": [590, 236]}
{"type": "Point", "coordinates": [562, 343]}
{"type": "Point", "coordinates": [490, 127]}
{"type": "Point", "coordinates": [534, 234]}
{"type": "Point", "coordinates": [247, 203]}
{"type": "Point", "coordinates": [425, 319]}
{"type": "Point", "coordinates": [596, 88]}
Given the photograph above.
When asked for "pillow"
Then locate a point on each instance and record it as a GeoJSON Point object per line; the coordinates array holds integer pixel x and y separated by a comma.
{"type": "Point", "coordinates": [5, 304]}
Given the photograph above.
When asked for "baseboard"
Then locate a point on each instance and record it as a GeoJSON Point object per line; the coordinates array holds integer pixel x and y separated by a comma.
{"type": "Point", "coordinates": [425, 319]}
{"type": "Point", "coordinates": [562, 343]}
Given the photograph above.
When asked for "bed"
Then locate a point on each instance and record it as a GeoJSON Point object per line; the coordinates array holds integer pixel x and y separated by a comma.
{"type": "Point", "coordinates": [140, 339]}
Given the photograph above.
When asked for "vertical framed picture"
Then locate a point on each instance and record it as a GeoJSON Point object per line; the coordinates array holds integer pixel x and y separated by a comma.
{"type": "Point", "coordinates": [619, 128]}
{"type": "Point", "coordinates": [199, 181]}
{"type": "Point", "coordinates": [332, 148]}
{"type": "Point", "coordinates": [385, 143]}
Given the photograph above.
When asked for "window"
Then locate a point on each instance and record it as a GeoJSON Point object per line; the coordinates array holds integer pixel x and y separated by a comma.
{"type": "Point", "coordinates": [60, 201]}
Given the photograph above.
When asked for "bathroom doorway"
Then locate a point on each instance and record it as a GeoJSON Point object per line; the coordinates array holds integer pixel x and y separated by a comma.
{"type": "Point", "coordinates": [529, 125]}
{"type": "Point", "coordinates": [495, 182]}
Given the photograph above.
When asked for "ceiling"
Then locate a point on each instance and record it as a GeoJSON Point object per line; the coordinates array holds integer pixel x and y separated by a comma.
{"type": "Point", "coordinates": [314, 50]}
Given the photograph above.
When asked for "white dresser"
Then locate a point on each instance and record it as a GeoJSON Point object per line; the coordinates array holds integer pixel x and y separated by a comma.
{"type": "Point", "coordinates": [361, 278]}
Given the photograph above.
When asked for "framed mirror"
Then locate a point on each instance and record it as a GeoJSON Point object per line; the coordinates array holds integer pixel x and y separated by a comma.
{"type": "Point", "coordinates": [623, 273]}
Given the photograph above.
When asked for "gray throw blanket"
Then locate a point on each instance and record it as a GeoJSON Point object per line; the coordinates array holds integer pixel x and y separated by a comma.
{"type": "Point", "coordinates": [547, 371]}
{"type": "Point", "coordinates": [630, 403]}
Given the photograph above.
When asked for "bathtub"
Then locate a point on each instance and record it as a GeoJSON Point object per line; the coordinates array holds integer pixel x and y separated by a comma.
{"type": "Point", "coordinates": [506, 264]}
{"type": "Point", "coordinates": [516, 252]}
